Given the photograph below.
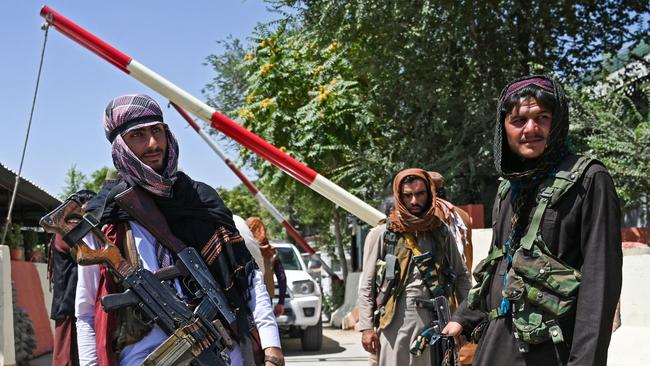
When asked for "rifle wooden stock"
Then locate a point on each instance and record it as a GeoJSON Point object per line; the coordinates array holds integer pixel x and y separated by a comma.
{"type": "Point", "coordinates": [142, 207]}
{"type": "Point", "coordinates": [64, 218]}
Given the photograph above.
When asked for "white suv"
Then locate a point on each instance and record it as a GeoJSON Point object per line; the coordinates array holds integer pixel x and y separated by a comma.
{"type": "Point", "coordinates": [302, 306]}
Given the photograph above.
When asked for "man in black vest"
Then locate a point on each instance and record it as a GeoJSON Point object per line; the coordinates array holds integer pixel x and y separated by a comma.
{"type": "Point", "coordinates": [552, 207]}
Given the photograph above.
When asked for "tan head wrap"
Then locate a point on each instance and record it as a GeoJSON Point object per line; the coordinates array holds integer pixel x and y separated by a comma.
{"type": "Point", "coordinates": [401, 219]}
{"type": "Point", "coordinates": [259, 233]}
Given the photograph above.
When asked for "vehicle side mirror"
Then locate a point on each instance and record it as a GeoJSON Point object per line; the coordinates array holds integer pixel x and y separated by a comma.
{"type": "Point", "coordinates": [314, 265]}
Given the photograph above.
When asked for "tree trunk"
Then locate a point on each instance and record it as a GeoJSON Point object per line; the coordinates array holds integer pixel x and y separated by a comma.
{"type": "Point", "coordinates": [339, 244]}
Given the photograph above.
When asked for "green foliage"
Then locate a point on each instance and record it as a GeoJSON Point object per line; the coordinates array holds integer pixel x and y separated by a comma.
{"type": "Point", "coordinates": [242, 203]}
{"type": "Point", "coordinates": [433, 69]}
{"type": "Point", "coordinates": [75, 180]}
{"type": "Point", "coordinates": [301, 98]}
{"type": "Point", "coordinates": [360, 89]}
{"type": "Point", "coordinates": [14, 237]}
{"type": "Point", "coordinates": [97, 178]}
{"type": "Point", "coordinates": [611, 129]}
{"type": "Point", "coordinates": [30, 238]}
{"type": "Point", "coordinates": [227, 90]}
{"type": "Point", "coordinates": [24, 339]}
{"type": "Point", "coordinates": [335, 300]}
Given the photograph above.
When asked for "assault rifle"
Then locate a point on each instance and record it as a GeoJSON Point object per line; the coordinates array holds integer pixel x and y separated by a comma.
{"type": "Point", "coordinates": [197, 337]}
{"type": "Point", "coordinates": [443, 348]}
{"type": "Point", "coordinates": [213, 304]}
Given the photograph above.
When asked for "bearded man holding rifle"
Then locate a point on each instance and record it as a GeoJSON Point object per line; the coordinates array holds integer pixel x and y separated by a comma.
{"type": "Point", "coordinates": [145, 154]}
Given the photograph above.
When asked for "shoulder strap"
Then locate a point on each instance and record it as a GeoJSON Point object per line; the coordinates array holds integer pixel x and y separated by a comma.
{"type": "Point", "coordinates": [550, 193]}
{"type": "Point", "coordinates": [92, 219]}
{"type": "Point", "coordinates": [502, 192]}
{"type": "Point", "coordinates": [568, 177]}
{"type": "Point", "coordinates": [504, 187]}
{"type": "Point", "coordinates": [390, 242]}
{"type": "Point", "coordinates": [390, 239]}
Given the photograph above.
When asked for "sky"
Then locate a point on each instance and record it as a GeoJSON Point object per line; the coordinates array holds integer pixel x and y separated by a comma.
{"type": "Point", "coordinates": [173, 38]}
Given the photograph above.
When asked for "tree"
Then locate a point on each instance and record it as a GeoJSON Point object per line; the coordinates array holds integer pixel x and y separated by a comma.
{"type": "Point", "coordinates": [74, 180]}
{"type": "Point", "coordinates": [242, 203]}
{"type": "Point", "coordinates": [299, 97]}
{"type": "Point", "coordinates": [98, 177]}
{"type": "Point", "coordinates": [611, 128]}
{"type": "Point", "coordinates": [435, 68]}
{"type": "Point", "coordinates": [360, 89]}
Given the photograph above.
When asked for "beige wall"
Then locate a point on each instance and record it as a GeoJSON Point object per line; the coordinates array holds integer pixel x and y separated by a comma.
{"type": "Point", "coordinates": [7, 352]}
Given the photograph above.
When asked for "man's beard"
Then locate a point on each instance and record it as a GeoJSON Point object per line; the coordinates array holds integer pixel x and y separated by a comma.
{"type": "Point", "coordinates": [423, 210]}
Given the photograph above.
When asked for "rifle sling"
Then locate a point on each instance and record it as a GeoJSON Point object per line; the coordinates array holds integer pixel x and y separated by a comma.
{"type": "Point", "coordinates": [91, 220]}
{"type": "Point", "coordinates": [137, 203]}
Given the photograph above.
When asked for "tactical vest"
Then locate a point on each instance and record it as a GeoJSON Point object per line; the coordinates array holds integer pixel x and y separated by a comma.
{"type": "Point", "coordinates": [540, 287]}
{"type": "Point", "coordinates": [393, 268]}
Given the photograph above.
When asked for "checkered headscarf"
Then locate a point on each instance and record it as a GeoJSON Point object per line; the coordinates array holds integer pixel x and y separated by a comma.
{"type": "Point", "coordinates": [135, 111]}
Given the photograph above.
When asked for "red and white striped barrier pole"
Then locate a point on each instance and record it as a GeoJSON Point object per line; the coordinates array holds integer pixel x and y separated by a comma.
{"type": "Point", "coordinates": [297, 170]}
{"type": "Point", "coordinates": [261, 198]}
{"type": "Point", "coordinates": [251, 187]}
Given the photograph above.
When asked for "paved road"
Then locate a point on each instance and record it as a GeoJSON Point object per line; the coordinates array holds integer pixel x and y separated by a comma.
{"type": "Point", "coordinates": [340, 347]}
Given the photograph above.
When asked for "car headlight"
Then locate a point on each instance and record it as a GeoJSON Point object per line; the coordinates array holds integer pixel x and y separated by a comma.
{"type": "Point", "coordinates": [303, 287]}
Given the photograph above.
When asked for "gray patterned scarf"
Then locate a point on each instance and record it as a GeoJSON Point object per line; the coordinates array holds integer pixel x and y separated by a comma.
{"type": "Point", "coordinates": [131, 111]}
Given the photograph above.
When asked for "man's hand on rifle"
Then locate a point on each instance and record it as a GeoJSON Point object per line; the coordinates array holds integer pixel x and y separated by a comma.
{"type": "Point", "coordinates": [273, 356]}
{"type": "Point", "coordinates": [370, 341]}
{"type": "Point", "coordinates": [455, 329]}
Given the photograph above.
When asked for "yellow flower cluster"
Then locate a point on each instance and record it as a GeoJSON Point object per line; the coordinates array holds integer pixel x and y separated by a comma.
{"type": "Point", "coordinates": [249, 57]}
{"type": "Point", "coordinates": [266, 103]}
{"type": "Point", "coordinates": [333, 47]}
{"type": "Point", "coordinates": [266, 68]}
{"type": "Point", "coordinates": [250, 99]}
{"type": "Point", "coordinates": [323, 93]}
{"type": "Point", "coordinates": [245, 113]}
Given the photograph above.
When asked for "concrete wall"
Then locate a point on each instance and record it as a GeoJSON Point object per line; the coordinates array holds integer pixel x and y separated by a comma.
{"type": "Point", "coordinates": [7, 352]}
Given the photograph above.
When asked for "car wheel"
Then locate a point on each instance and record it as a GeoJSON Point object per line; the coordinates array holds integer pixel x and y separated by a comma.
{"type": "Point", "coordinates": [312, 337]}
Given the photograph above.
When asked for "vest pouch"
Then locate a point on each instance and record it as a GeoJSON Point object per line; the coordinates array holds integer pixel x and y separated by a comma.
{"type": "Point", "coordinates": [383, 287]}
{"type": "Point", "coordinates": [483, 276]}
{"type": "Point", "coordinates": [515, 288]}
{"type": "Point", "coordinates": [132, 328]}
{"type": "Point", "coordinates": [546, 270]}
{"type": "Point", "coordinates": [530, 326]}
{"type": "Point", "coordinates": [381, 272]}
{"type": "Point", "coordinates": [548, 301]}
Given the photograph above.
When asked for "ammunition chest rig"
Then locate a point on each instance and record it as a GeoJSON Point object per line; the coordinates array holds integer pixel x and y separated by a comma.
{"type": "Point", "coordinates": [541, 287]}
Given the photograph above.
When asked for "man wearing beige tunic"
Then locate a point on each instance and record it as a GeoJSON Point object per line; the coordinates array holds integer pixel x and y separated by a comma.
{"type": "Point", "coordinates": [391, 282]}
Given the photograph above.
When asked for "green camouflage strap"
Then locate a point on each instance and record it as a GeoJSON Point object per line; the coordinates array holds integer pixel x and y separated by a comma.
{"type": "Point", "coordinates": [551, 194]}
{"type": "Point", "coordinates": [495, 313]}
{"type": "Point", "coordinates": [548, 196]}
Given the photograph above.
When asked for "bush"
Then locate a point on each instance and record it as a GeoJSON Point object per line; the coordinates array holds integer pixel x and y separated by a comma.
{"type": "Point", "coordinates": [30, 239]}
{"type": "Point", "coordinates": [24, 339]}
{"type": "Point", "coordinates": [14, 237]}
{"type": "Point", "coordinates": [333, 302]}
